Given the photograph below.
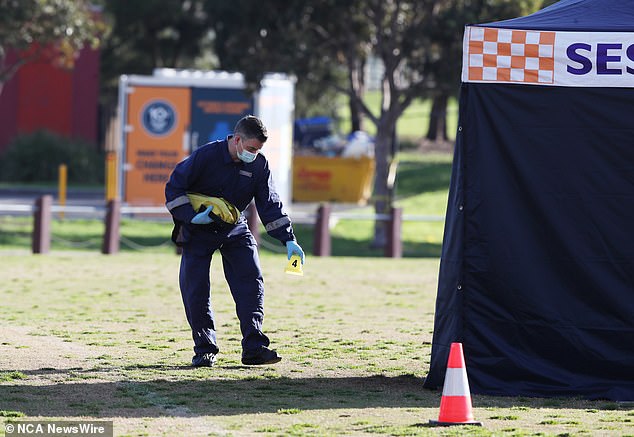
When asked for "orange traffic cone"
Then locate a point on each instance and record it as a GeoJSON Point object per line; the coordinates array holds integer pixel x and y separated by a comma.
{"type": "Point", "coordinates": [455, 404]}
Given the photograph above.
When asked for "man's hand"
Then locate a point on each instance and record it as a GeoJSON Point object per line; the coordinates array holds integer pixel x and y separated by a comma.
{"type": "Point", "coordinates": [293, 247]}
{"type": "Point", "coordinates": [202, 218]}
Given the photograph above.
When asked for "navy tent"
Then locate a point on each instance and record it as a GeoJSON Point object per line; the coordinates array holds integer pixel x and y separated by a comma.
{"type": "Point", "coordinates": [537, 269]}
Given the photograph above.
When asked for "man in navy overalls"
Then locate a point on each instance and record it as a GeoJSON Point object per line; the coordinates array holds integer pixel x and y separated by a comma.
{"type": "Point", "coordinates": [234, 170]}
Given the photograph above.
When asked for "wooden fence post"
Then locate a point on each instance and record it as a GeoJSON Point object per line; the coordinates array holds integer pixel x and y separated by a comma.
{"type": "Point", "coordinates": [42, 224]}
{"type": "Point", "coordinates": [111, 236]}
{"type": "Point", "coordinates": [321, 245]}
{"type": "Point", "coordinates": [393, 244]}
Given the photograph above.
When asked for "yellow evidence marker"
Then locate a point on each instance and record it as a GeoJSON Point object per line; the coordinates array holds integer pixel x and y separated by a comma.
{"type": "Point", "coordinates": [294, 266]}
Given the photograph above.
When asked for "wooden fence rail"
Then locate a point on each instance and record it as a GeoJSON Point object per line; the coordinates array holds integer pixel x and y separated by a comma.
{"type": "Point", "coordinates": [43, 210]}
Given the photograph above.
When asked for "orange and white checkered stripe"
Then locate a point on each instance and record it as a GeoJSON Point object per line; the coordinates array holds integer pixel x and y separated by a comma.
{"type": "Point", "coordinates": [548, 58]}
{"type": "Point", "coordinates": [507, 55]}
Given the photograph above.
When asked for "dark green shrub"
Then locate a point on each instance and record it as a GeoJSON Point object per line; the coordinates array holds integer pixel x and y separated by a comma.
{"type": "Point", "coordinates": [407, 145]}
{"type": "Point", "coordinates": [35, 157]}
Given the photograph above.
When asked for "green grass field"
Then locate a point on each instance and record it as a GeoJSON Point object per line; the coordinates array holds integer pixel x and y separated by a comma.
{"type": "Point", "coordinates": [88, 336]}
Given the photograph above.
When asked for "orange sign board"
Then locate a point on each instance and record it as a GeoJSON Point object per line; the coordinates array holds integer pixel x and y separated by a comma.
{"type": "Point", "coordinates": [156, 125]}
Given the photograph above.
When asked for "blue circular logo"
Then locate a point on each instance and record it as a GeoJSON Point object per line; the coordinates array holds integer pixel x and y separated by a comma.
{"type": "Point", "coordinates": [158, 118]}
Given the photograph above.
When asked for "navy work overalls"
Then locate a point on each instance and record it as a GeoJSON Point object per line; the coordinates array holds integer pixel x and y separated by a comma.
{"type": "Point", "coordinates": [211, 171]}
{"type": "Point", "coordinates": [242, 271]}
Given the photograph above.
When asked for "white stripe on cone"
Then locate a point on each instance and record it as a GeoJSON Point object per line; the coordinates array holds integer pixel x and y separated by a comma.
{"type": "Point", "coordinates": [456, 383]}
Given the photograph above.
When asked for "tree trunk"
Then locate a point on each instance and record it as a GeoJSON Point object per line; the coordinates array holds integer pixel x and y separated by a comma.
{"type": "Point", "coordinates": [382, 152]}
{"type": "Point", "coordinates": [356, 120]}
{"type": "Point", "coordinates": [356, 69]}
{"type": "Point", "coordinates": [438, 119]}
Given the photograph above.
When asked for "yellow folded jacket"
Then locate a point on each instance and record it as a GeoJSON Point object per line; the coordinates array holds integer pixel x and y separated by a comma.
{"type": "Point", "coordinates": [222, 209]}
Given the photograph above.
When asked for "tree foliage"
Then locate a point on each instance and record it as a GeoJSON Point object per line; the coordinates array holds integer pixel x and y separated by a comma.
{"type": "Point", "coordinates": [54, 28]}
{"type": "Point", "coordinates": [325, 44]}
{"type": "Point", "coordinates": [328, 41]}
{"type": "Point", "coordinates": [255, 38]}
{"type": "Point", "coordinates": [149, 34]}
{"type": "Point", "coordinates": [446, 36]}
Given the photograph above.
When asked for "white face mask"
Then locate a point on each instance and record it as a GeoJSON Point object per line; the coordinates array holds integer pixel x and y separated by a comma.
{"type": "Point", "coordinates": [246, 156]}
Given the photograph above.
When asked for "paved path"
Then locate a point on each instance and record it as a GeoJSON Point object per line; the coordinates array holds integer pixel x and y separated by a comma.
{"type": "Point", "coordinates": [83, 197]}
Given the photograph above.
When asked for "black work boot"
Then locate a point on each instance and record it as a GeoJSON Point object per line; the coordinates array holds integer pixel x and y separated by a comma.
{"type": "Point", "coordinates": [204, 360]}
{"type": "Point", "coordinates": [264, 355]}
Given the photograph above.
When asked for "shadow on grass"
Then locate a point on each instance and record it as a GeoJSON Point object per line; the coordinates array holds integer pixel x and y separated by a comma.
{"type": "Point", "coordinates": [196, 392]}
{"type": "Point", "coordinates": [213, 396]}
{"type": "Point", "coordinates": [339, 246]}
{"type": "Point", "coordinates": [91, 242]}
{"type": "Point", "coordinates": [21, 238]}
{"type": "Point", "coordinates": [416, 177]}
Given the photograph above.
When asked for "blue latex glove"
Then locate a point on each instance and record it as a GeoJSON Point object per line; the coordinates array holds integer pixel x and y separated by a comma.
{"type": "Point", "coordinates": [293, 247]}
{"type": "Point", "coordinates": [202, 218]}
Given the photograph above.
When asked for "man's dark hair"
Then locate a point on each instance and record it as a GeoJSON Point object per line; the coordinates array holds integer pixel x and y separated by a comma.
{"type": "Point", "coordinates": [251, 127]}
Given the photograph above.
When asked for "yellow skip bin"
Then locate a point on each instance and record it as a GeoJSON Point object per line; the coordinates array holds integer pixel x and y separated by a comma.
{"type": "Point", "coordinates": [319, 178]}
